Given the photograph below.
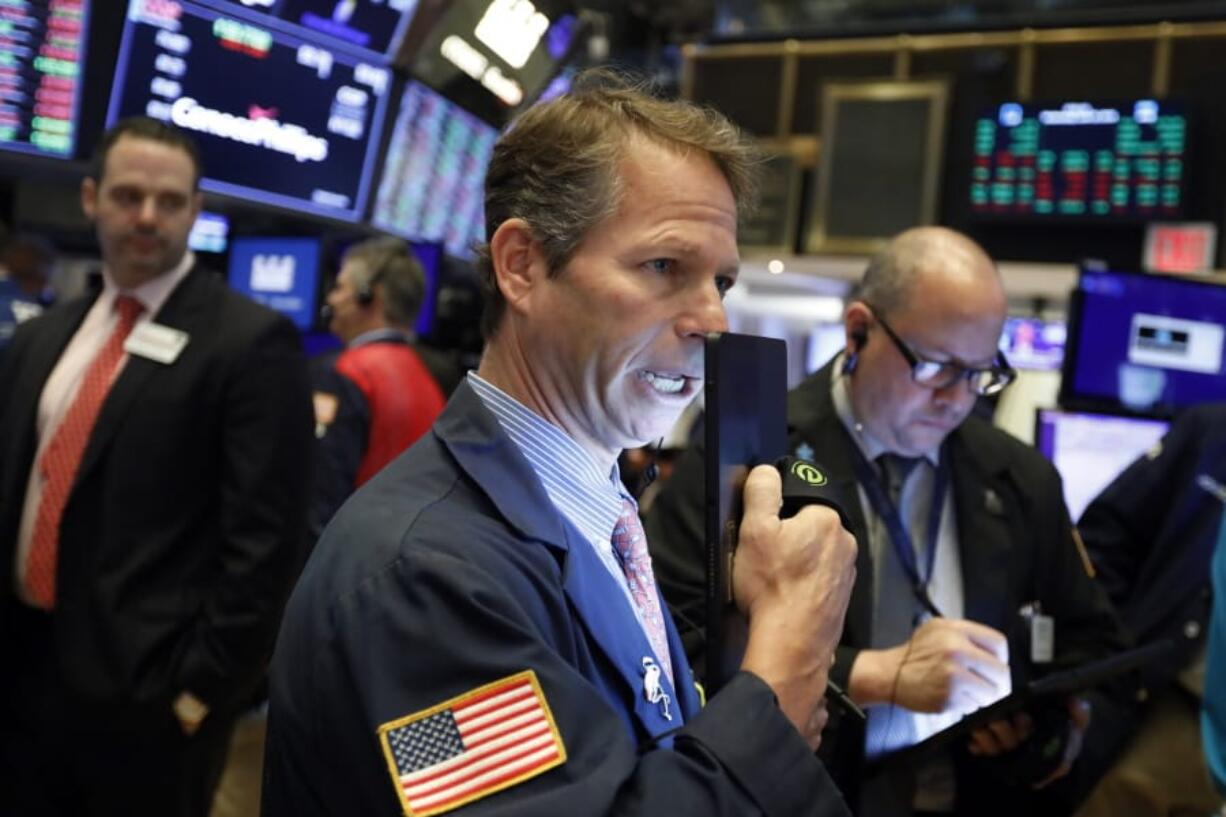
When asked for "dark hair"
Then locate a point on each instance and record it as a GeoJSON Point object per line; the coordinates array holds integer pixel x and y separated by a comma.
{"type": "Point", "coordinates": [558, 166]}
{"type": "Point", "coordinates": [390, 263]}
{"type": "Point", "coordinates": [143, 127]}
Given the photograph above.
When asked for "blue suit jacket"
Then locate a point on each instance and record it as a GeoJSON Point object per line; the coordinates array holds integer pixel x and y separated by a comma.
{"type": "Point", "coordinates": [450, 570]}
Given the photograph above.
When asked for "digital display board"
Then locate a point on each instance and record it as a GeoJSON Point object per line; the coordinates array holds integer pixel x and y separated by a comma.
{"type": "Point", "coordinates": [432, 188]}
{"type": "Point", "coordinates": [281, 273]}
{"type": "Point", "coordinates": [1078, 160]}
{"type": "Point", "coordinates": [42, 51]}
{"type": "Point", "coordinates": [278, 120]}
{"type": "Point", "coordinates": [1145, 343]}
{"type": "Point", "coordinates": [1091, 450]}
{"type": "Point", "coordinates": [373, 25]}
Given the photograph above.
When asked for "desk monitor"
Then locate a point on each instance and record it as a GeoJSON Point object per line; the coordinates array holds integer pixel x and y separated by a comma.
{"type": "Point", "coordinates": [278, 119]}
{"type": "Point", "coordinates": [42, 59]}
{"type": "Point", "coordinates": [1090, 450]}
{"type": "Point", "coordinates": [281, 273]}
{"type": "Point", "coordinates": [1144, 343]}
{"type": "Point", "coordinates": [1033, 343]}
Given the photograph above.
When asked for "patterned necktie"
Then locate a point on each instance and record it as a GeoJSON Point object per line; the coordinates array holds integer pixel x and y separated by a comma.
{"type": "Point", "coordinates": [61, 458]}
{"type": "Point", "coordinates": [630, 545]}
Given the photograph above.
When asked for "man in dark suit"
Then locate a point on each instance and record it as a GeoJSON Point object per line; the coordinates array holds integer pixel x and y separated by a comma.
{"type": "Point", "coordinates": [1152, 533]}
{"type": "Point", "coordinates": [478, 631]}
{"type": "Point", "coordinates": [154, 444]}
{"type": "Point", "coordinates": [960, 526]}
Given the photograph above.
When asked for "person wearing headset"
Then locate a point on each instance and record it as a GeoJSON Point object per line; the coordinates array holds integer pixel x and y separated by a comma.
{"type": "Point", "coordinates": [377, 396]}
{"type": "Point", "coordinates": [960, 526]}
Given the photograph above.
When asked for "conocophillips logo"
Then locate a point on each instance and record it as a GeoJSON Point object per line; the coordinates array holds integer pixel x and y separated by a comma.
{"type": "Point", "coordinates": [809, 472]}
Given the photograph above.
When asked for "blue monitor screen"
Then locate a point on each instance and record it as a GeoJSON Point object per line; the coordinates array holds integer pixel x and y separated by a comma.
{"type": "Point", "coordinates": [430, 256]}
{"type": "Point", "coordinates": [434, 174]}
{"type": "Point", "coordinates": [42, 52]}
{"type": "Point", "coordinates": [281, 273]}
{"type": "Point", "coordinates": [1081, 160]}
{"type": "Point", "coordinates": [1090, 450]}
{"type": "Point", "coordinates": [278, 120]}
{"type": "Point", "coordinates": [372, 25]}
{"type": "Point", "coordinates": [1146, 343]}
{"type": "Point", "coordinates": [209, 233]}
{"type": "Point", "coordinates": [1033, 343]}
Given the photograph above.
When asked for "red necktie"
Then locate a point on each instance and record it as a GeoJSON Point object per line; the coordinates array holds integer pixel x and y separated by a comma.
{"type": "Point", "coordinates": [630, 545]}
{"type": "Point", "coordinates": [61, 458]}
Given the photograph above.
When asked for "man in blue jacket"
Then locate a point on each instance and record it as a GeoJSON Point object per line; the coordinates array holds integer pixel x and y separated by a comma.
{"type": "Point", "coordinates": [479, 630]}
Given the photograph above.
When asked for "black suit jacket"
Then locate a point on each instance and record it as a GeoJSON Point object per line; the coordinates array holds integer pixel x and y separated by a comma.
{"type": "Point", "coordinates": [1015, 544]}
{"type": "Point", "coordinates": [186, 525]}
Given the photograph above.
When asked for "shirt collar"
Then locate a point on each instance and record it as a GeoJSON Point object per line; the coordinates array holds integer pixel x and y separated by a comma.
{"type": "Point", "coordinates": [153, 293]}
{"type": "Point", "coordinates": [383, 333]}
{"type": "Point", "coordinates": [869, 445]}
{"type": "Point", "coordinates": [589, 498]}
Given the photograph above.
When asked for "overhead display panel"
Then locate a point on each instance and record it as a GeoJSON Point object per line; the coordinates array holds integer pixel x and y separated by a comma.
{"type": "Point", "coordinates": [1080, 160]}
{"type": "Point", "coordinates": [376, 26]}
{"type": "Point", "coordinates": [278, 119]}
{"type": "Point", "coordinates": [494, 55]}
{"type": "Point", "coordinates": [42, 51]}
{"type": "Point", "coordinates": [434, 173]}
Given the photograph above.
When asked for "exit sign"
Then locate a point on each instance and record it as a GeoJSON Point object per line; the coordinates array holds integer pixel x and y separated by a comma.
{"type": "Point", "coordinates": [1185, 247]}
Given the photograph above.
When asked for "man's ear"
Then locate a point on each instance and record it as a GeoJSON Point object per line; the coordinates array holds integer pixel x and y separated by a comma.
{"type": "Point", "coordinates": [89, 197]}
{"type": "Point", "coordinates": [519, 265]}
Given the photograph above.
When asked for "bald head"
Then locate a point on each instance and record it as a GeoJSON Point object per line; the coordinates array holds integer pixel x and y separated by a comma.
{"type": "Point", "coordinates": [931, 255]}
{"type": "Point", "coordinates": [943, 299]}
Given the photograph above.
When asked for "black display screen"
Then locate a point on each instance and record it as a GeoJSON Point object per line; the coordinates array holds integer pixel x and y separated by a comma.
{"type": "Point", "coordinates": [373, 25]}
{"type": "Point", "coordinates": [432, 188]}
{"type": "Point", "coordinates": [278, 119]}
{"type": "Point", "coordinates": [42, 51]}
{"type": "Point", "coordinates": [1076, 159]}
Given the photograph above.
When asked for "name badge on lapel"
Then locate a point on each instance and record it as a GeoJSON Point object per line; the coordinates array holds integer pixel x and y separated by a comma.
{"type": "Point", "coordinates": [153, 341]}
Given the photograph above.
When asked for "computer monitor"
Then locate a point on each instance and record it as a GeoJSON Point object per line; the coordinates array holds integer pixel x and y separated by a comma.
{"type": "Point", "coordinates": [432, 187]}
{"type": "Point", "coordinates": [1144, 343]}
{"type": "Point", "coordinates": [210, 233]}
{"type": "Point", "coordinates": [1080, 160]}
{"type": "Point", "coordinates": [430, 256]}
{"type": "Point", "coordinates": [281, 273]}
{"type": "Point", "coordinates": [278, 119]}
{"type": "Point", "coordinates": [42, 59]}
{"type": "Point", "coordinates": [1090, 449]}
{"type": "Point", "coordinates": [1034, 344]}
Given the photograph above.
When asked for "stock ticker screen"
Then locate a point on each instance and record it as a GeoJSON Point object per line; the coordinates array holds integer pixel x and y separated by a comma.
{"type": "Point", "coordinates": [373, 25]}
{"type": "Point", "coordinates": [1125, 162]}
{"type": "Point", "coordinates": [278, 119]}
{"type": "Point", "coordinates": [434, 173]}
{"type": "Point", "coordinates": [42, 52]}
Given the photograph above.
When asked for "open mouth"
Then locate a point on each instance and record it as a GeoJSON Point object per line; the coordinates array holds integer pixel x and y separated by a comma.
{"type": "Point", "coordinates": [670, 384]}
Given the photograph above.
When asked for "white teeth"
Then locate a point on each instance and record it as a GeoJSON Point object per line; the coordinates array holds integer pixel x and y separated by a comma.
{"type": "Point", "coordinates": [663, 383]}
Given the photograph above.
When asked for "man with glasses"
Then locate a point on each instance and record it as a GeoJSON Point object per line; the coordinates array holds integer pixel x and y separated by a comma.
{"type": "Point", "coordinates": [961, 528]}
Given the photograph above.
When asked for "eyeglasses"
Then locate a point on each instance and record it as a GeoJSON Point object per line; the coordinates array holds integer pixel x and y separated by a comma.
{"type": "Point", "coordinates": [941, 374]}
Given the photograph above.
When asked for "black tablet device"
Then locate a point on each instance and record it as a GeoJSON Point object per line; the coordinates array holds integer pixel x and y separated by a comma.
{"type": "Point", "coordinates": [746, 425]}
{"type": "Point", "coordinates": [1053, 686]}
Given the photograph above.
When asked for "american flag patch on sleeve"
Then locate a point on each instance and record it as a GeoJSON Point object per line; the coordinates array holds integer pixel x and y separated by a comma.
{"type": "Point", "coordinates": [471, 746]}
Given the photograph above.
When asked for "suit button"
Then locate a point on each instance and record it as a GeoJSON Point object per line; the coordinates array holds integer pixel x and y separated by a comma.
{"type": "Point", "coordinates": [1191, 629]}
{"type": "Point", "coordinates": [1142, 695]}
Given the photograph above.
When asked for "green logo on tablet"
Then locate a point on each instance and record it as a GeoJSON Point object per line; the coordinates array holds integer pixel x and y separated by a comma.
{"type": "Point", "coordinates": [808, 472]}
